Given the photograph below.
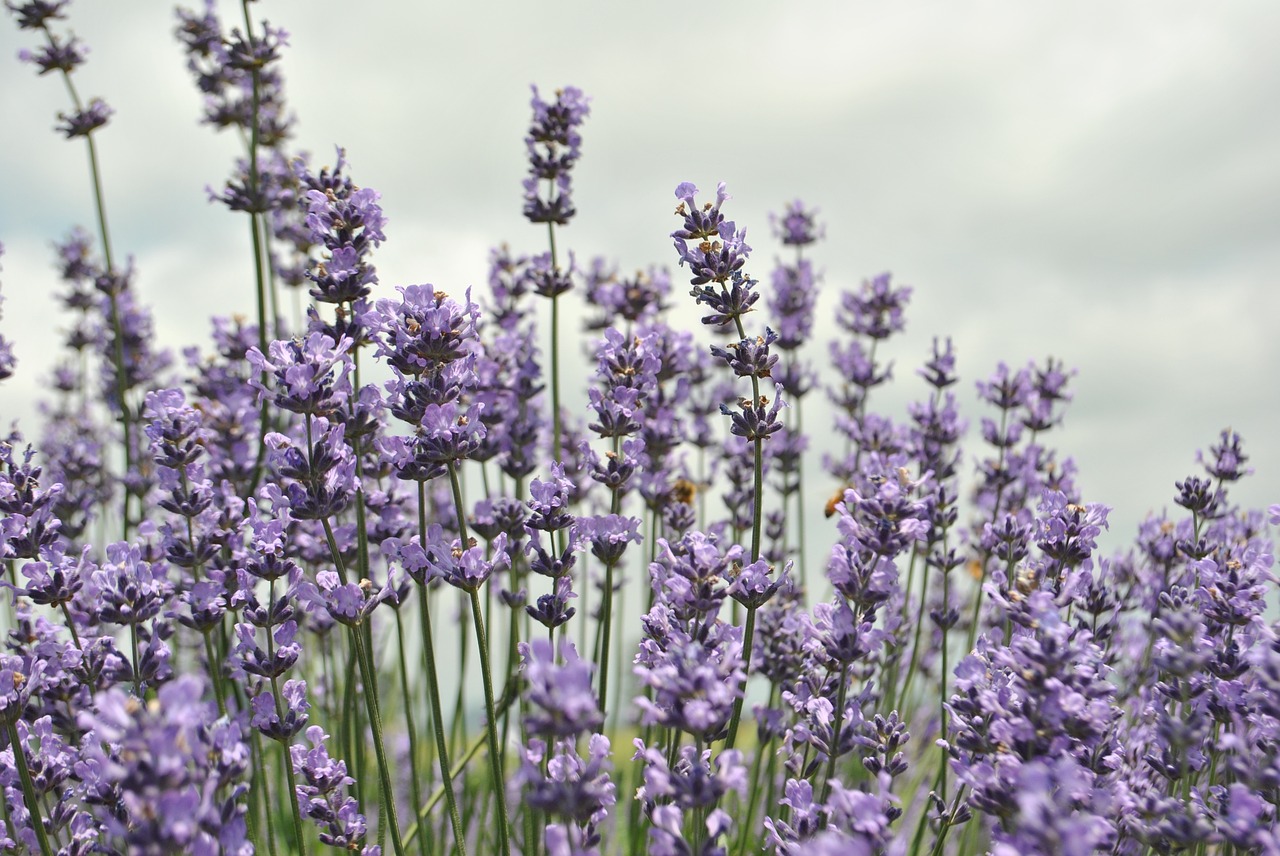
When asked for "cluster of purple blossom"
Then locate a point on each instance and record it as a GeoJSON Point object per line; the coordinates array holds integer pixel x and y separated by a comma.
{"type": "Point", "coordinates": [287, 554]}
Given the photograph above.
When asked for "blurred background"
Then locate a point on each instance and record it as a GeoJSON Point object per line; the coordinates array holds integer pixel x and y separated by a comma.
{"type": "Point", "coordinates": [1097, 183]}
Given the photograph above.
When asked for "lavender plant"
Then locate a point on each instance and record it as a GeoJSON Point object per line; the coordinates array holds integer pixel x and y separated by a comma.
{"type": "Point", "coordinates": [318, 508]}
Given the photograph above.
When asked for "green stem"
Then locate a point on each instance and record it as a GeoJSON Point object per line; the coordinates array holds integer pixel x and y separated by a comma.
{"type": "Point", "coordinates": [482, 644]}
{"type": "Point", "coordinates": [804, 565]}
{"type": "Point", "coordinates": [555, 350]}
{"type": "Point", "coordinates": [28, 788]}
{"type": "Point", "coordinates": [753, 795]}
{"type": "Point", "coordinates": [137, 675]}
{"type": "Point", "coordinates": [606, 625]}
{"type": "Point", "coordinates": [370, 679]}
{"type": "Point", "coordinates": [440, 792]}
{"type": "Point", "coordinates": [747, 635]}
{"type": "Point", "coordinates": [260, 766]}
{"type": "Point", "coordinates": [409, 724]}
{"type": "Point", "coordinates": [215, 672]}
{"type": "Point", "coordinates": [837, 723]}
{"type": "Point", "coordinates": [100, 210]}
{"type": "Point", "coordinates": [299, 842]}
{"type": "Point", "coordinates": [433, 691]}
{"type": "Point", "coordinates": [495, 756]}
{"type": "Point", "coordinates": [915, 644]}
{"type": "Point", "coordinates": [757, 516]}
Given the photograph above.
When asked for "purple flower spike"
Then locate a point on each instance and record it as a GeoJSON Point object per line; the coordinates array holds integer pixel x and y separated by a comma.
{"type": "Point", "coordinates": [699, 223]}
{"type": "Point", "coordinates": [753, 586]}
{"type": "Point", "coordinates": [876, 310]}
{"type": "Point", "coordinates": [312, 375]}
{"type": "Point", "coordinates": [175, 766]}
{"type": "Point", "coordinates": [349, 603]}
{"type": "Point", "coordinates": [562, 701]}
{"type": "Point", "coordinates": [347, 222]}
{"type": "Point", "coordinates": [713, 247]}
{"type": "Point", "coordinates": [755, 420]}
{"type": "Point", "coordinates": [35, 14]}
{"type": "Point", "coordinates": [57, 55]}
{"type": "Point", "coordinates": [554, 146]}
{"type": "Point", "coordinates": [322, 793]}
{"type": "Point", "coordinates": [267, 719]}
{"type": "Point", "coordinates": [425, 330]}
{"type": "Point", "coordinates": [19, 678]}
{"type": "Point", "coordinates": [798, 225]}
{"type": "Point", "coordinates": [84, 122]}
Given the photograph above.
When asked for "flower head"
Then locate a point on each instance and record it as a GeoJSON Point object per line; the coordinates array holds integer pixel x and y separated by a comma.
{"type": "Point", "coordinates": [554, 146]}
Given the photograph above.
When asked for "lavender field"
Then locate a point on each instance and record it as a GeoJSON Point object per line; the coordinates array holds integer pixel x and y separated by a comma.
{"type": "Point", "coordinates": [697, 546]}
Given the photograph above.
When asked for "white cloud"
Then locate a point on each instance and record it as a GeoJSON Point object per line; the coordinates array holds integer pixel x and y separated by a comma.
{"type": "Point", "coordinates": [1096, 182]}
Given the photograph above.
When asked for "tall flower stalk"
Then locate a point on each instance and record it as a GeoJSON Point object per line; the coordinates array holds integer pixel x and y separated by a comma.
{"type": "Point", "coordinates": [554, 146]}
{"type": "Point", "coordinates": [64, 56]}
{"type": "Point", "coordinates": [715, 251]}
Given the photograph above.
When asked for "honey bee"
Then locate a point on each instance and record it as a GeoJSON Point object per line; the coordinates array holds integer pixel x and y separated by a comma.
{"type": "Point", "coordinates": [834, 502]}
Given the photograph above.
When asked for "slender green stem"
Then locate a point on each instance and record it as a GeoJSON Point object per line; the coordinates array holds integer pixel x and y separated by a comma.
{"type": "Point", "coordinates": [28, 788]}
{"type": "Point", "coordinates": [352, 733]}
{"type": "Point", "coordinates": [753, 795]}
{"type": "Point", "coordinates": [458, 725]}
{"type": "Point", "coordinates": [260, 766]}
{"type": "Point", "coordinates": [757, 512]}
{"type": "Point", "coordinates": [495, 755]}
{"type": "Point", "coordinates": [800, 510]}
{"type": "Point", "coordinates": [915, 644]}
{"type": "Point", "coordinates": [482, 644]}
{"type": "Point", "coordinates": [556, 413]}
{"type": "Point", "coordinates": [215, 672]}
{"type": "Point", "coordinates": [946, 671]}
{"type": "Point", "coordinates": [137, 660]}
{"type": "Point", "coordinates": [71, 625]}
{"type": "Point", "coordinates": [433, 691]}
{"type": "Point", "coordinates": [747, 635]}
{"type": "Point", "coordinates": [436, 795]}
{"type": "Point", "coordinates": [606, 632]}
{"type": "Point", "coordinates": [370, 679]}
{"type": "Point", "coordinates": [409, 724]}
{"type": "Point", "coordinates": [287, 760]}
{"type": "Point", "coordinates": [100, 210]}
{"type": "Point", "coordinates": [757, 516]}
{"type": "Point", "coordinates": [837, 723]}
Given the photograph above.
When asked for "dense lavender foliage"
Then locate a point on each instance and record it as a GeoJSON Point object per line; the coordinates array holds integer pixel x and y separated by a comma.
{"type": "Point", "coordinates": [234, 584]}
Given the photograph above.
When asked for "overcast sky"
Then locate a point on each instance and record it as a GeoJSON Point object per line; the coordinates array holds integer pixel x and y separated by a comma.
{"type": "Point", "coordinates": [1097, 182]}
